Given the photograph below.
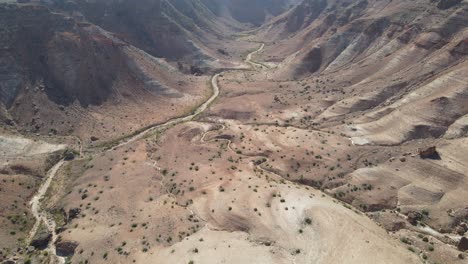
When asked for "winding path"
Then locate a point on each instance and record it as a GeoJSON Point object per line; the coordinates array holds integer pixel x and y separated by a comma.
{"type": "Point", "coordinates": [200, 109]}
{"type": "Point", "coordinates": [43, 217]}
{"type": "Point", "coordinates": [250, 55]}
{"type": "Point", "coordinates": [172, 122]}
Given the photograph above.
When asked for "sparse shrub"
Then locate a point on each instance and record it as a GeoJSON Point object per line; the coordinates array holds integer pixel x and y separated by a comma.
{"type": "Point", "coordinates": [405, 240]}
{"type": "Point", "coordinates": [69, 154]}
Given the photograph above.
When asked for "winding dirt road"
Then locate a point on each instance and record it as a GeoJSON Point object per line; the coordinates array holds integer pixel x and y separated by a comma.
{"type": "Point", "coordinates": [249, 60]}
{"type": "Point", "coordinates": [201, 108]}
{"type": "Point", "coordinates": [43, 217]}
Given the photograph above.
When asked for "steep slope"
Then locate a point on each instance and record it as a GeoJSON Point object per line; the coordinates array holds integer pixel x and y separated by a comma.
{"type": "Point", "coordinates": [396, 57]}
{"type": "Point", "coordinates": [255, 12]}
{"type": "Point", "coordinates": [63, 76]}
{"type": "Point", "coordinates": [185, 31]}
{"type": "Point", "coordinates": [337, 33]}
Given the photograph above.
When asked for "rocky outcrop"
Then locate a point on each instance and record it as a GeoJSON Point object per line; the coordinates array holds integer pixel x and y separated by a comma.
{"type": "Point", "coordinates": [41, 240]}
{"type": "Point", "coordinates": [397, 226]}
{"type": "Point", "coordinates": [311, 63]}
{"type": "Point", "coordinates": [429, 153]}
{"type": "Point", "coordinates": [446, 4]}
{"type": "Point", "coordinates": [414, 217]}
{"type": "Point", "coordinates": [66, 248]}
{"type": "Point", "coordinates": [461, 229]}
{"type": "Point", "coordinates": [461, 49]}
{"type": "Point", "coordinates": [463, 244]}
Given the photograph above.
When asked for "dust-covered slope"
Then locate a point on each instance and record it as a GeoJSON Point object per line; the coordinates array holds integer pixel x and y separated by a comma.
{"type": "Point", "coordinates": [336, 33]}
{"type": "Point", "coordinates": [177, 207]}
{"type": "Point", "coordinates": [404, 59]}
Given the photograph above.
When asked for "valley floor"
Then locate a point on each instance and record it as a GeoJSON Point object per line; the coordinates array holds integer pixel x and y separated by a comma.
{"type": "Point", "coordinates": [333, 153]}
{"type": "Point", "coordinates": [246, 178]}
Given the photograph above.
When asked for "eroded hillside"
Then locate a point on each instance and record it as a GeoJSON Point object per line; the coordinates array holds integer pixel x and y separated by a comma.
{"type": "Point", "coordinates": [334, 132]}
